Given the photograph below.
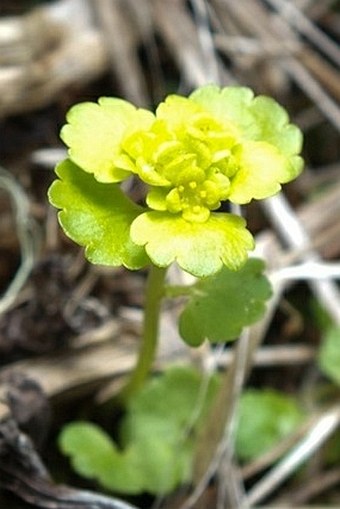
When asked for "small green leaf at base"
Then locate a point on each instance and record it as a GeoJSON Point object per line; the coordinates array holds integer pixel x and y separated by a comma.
{"type": "Point", "coordinates": [95, 456]}
{"type": "Point", "coordinates": [158, 436]}
{"type": "Point", "coordinates": [219, 307]}
{"type": "Point", "coordinates": [265, 417]}
{"type": "Point", "coordinates": [97, 216]}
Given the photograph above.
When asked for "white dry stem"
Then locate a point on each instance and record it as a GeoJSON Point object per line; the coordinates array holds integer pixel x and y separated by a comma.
{"type": "Point", "coordinates": [48, 157]}
{"type": "Point", "coordinates": [285, 355]}
{"type": "Point", "coordinates": [317, 435]}
{"type": "Point", "coordinates": [28, 241]}
{"type": "Point", "coordinates": [225, 448]}
{"type": "Point", "coordinates": [232, 488]}
{"type": "Point", "coordinates": [292, 231]}
{"type": "Point", "coordinates": [206, 40]}
{"type": "Point", "coordinates": [308, 271]}
{"type": "Point", "coordinates": [179, 33]}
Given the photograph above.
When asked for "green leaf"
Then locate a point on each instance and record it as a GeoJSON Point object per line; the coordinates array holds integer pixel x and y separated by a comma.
{"type": "Point", "coordinates": [329, 354]}
{"type": "Point", "coordinates": [94, 134]}
{"type": "Point", "coordinates": [273, 126]}
{"type": "Point", "coordinates": [219, 307]}
{"type": "Point", "coordinates": [158, 434]}
{"type": "Point", "coordinates": [199, 248]}
{"type": "Point", "coordinates": [92, 451]}
{"type": "Point", "coordinates": [177, 388]}
{"type": "Point", "coordinates": [230, 104]}
{"type": "Point", "coordinates": [165, 463]}
{"type": "Point", "coordinates": [97, 216]}
{"type": "Point", "coordinates": [95, 456]}
{"type": "Point", "coordinates": [331, 453]}
{"type": "Point", "coordinates": [321, 317]}
{"type": "Point", "coordinates": [262, 169]}
{"type": "Point", "coordinates": [161, 423]}
{"type": "Point", "coordinates": [265, 417]}
{"type": "Point", "coordinates": [176, 110]}
{"type": "Point", "coordinates": [258, 119]}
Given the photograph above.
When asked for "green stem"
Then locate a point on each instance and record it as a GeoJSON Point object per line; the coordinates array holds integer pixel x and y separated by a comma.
{"type": "Point", "coordinates": [153, 298]}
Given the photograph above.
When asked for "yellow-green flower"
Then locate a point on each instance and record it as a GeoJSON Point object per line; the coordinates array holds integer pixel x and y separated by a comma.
{"type": "Point", "coordinates": [193, 154]}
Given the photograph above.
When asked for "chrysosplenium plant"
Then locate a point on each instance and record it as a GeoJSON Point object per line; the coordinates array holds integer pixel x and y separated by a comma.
{"type": "Point", "coordinates": [193, 154]}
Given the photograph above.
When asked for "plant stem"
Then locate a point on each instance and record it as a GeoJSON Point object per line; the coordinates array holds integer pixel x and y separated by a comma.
{"type": "Point", "coordinates": [153, 298]}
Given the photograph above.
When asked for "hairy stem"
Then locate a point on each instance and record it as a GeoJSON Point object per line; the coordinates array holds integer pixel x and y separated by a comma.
{"type": "Point", "coordinates": [153, 297]}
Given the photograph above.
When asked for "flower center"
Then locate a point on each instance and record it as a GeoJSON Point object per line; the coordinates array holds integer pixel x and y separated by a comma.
{"type": "Point", "coordinates": [188, 170]}
{"type": "Point", "coordinates": [195, 199]}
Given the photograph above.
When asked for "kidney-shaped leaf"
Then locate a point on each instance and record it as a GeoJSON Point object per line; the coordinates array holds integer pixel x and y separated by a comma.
{"type": "Point", "coordinates": [156, 451]}
{"type": "Point", "coordinates": [94, 455]}
{"type": "Point", "coordinates": [219, 307]}
{"type": "Point", "coordinates": [97, 216]}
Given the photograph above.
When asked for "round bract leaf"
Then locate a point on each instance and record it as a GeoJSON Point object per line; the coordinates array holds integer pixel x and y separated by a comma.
{"type": "Point", "coordinates": [259, 119]}
{"type": "Point", "coordinates": [262, 169]}
{"type": "Point", "coordinates": [94, 133]}
{"type": "Point", "coordinates": [219, 307]}
{"type": "Point", "coordinates": [230, 104]}
{"type": "Point", "coordinates": [97, 216]}
{"type": "Point", "coordinates": [176, 110]}
{"type": "Point", "coordinates": [273, 125]}
{"type": "Point", "coordinates": [199, 248]}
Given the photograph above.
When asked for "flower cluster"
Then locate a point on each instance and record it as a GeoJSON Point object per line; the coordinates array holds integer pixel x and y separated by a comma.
{"type": "Point", "coordinates": [192, 154]}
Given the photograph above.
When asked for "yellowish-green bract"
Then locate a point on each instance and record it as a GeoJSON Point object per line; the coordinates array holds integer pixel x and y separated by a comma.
{"type": "Point", "coordinates": [193, 153]}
